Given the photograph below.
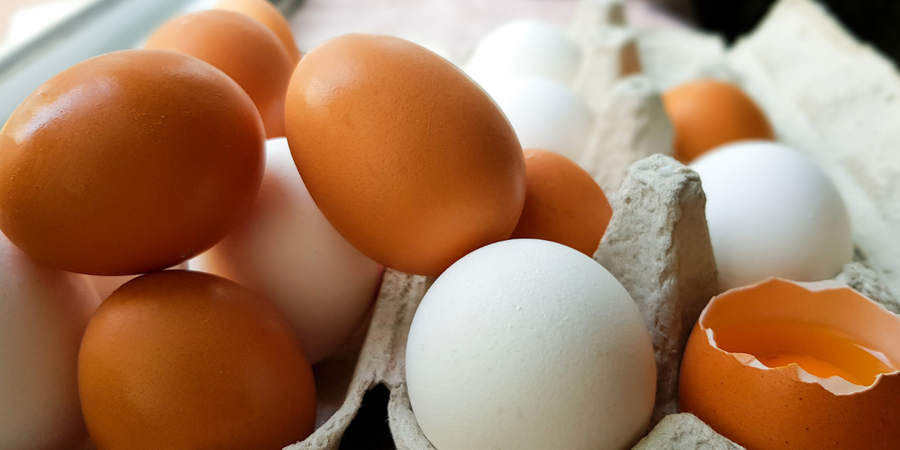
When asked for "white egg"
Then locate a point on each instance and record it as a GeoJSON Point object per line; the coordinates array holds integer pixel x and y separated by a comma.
{"type": "Point", "coordinates": [43, 315]}
{"type": "Point", "coordinates": [528, 344]}
{"type": "Point", "coordinates": [545, 115]}
{"type": "Point", "coordinates": [772, 212]}
{"type": "Point", "coordinates": [288, 252]}
{"type": "Point", "coordinates": [524, 47]}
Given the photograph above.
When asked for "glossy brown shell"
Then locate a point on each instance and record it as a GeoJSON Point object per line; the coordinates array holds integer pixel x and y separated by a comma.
{"type": "Point", "coordinates": [243, 48]}
{"type": "Point", "coordinates": [563, 203]}
{"type": "Point", "coordinates": [180, 359]}
{"type": "Point", "coordinates": [407, 157]}
{"type": "Point", "coordinates": [129, 162]}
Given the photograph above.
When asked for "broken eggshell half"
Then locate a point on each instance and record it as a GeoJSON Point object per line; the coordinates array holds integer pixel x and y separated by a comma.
{"type": "Point", "coordinates": [787, 365]}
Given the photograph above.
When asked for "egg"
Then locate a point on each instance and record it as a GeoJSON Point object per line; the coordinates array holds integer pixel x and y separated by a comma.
{"type": "Point", "coordinates": [707, 113]}
{"type": "Point", "coordinates": [43, 313]}
{"type": "Point", "coordinates": [545, 114]}
{"type": "Point", "coordinates": [243, 48]}
{"type": "Point", "coordinates": [563, 203]}
{"type": "Point", "coordinates": [409, 160]}
{"type": "Point", "coordinates": [179, 359]}
{"type": "Point", "coordinates": [524, 47]}
{"type": "Point", "coordinates": [785, 365]}
{"type": "Point", "coordinates": [267, 14]}
{"type": "Point", "coordinates": [529, 344]}
{"type": "Point", "coordinates": [129, 162]}
{"type": "Point", "coordinates": [288, 252]}
{"type": "Point", "coordinates": [772, 213]}
{"type": "Point", "coordinates": [105, 286]}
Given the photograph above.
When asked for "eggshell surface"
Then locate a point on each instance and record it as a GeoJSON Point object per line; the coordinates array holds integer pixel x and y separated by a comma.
{"type": "Point", "coordinates": [267, 14]}
{"type": "Point", "coordinates": [178, 359]}
{"type": "Point", "coordinates": [287, 252]}
{"type": "Point", "coordinates": [529, 344]}
{"type": "Point", "coordinates": [243, 48]}
{"type": "Point", "coordinates": [105, 286]}
{"type": "Point", "coordinates": [43, 313]}
{"type": "Point", "coordinates": [545, 115]}
{"type": "Point", "coordinates": [524, 47]}
{"type": "Point", "coordinates": [563, 203]}
{"type": "Point", "coordinates": [784, 365]}
{"type": "Point", "coordinates": [129, 162]}
{"type": "Point", "coordinates": [408, 159]}
{"type": "Point", "coordinates": [709, 113]}
{"type": "Point", "coordinates": [772, 213]}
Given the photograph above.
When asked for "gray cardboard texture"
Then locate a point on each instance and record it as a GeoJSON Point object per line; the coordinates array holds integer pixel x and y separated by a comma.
{"type": "Point", "coordinates": [657, 245]}
{"type": "Point", "coordinates": [684, 432]}
{"type": "Point", "coordinates": [381, 358]}
{"type": "Point", "coordinates": [630, 125]}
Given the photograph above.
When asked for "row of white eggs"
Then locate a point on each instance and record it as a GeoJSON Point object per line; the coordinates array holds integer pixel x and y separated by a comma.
{"type": "Point", "coordinates": [771, 211]}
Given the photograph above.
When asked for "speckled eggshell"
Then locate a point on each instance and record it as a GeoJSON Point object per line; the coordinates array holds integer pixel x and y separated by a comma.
{"type": "Point", "coordinates": [286, 251]}
{"type": "Point", "coordinates": [245, 49]}
{"type": "Point", "coordinates": [129, 162]}
{"type": "Point", "coordinates": [178, 359]}
{"type": "Point", "coordinates": [43, 314]}
{"type": "Point", "coordinates": [563, 203]}
{"type": "Point", "coordinates": [407, 157]}
{"type": "Point", "coordinates": [528, 344]}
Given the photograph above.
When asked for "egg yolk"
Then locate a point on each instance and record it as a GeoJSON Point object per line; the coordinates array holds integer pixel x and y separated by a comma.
{"type": "Point", "coordinates": [820, 350]}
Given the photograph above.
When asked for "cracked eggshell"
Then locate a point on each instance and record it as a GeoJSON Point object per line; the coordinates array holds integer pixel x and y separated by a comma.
{"type": "Point", "coordinates": [769, 366]}
{"type": "Point", "coordinates": [529, 344]}
{"type": "Point", "coordinates": [772, 212]}
{"type": "Point", "coordinates": [43, 314]}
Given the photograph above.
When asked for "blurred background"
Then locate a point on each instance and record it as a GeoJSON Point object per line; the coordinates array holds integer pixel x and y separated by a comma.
{"type": "Point", "coordinates": [78, 29]}
{"type": "Point", "coordinates": [874, 21]}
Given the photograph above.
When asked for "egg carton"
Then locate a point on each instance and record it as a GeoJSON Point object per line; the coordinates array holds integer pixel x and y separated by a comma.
{"type": "Point", "coordinates": [827, 95]}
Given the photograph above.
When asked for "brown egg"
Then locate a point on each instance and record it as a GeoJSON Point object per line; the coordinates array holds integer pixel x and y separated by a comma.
{"type": "Point", "coordinates": [407, 157]}
{"type": "Point", "coordinates": [267, 14]}
{"type": "Point", "coordinates": [243, 48]}
{"type": "Point", "coordinates": [784, 365]}
{"type": "Point", "coordinates": [180, 359]}
{"type": "Point", "coordinates": [710, 113]}
{"type": "Point", "coordinates": [563, 203]}
{"type": "Point", "coordinates": [129, 162]}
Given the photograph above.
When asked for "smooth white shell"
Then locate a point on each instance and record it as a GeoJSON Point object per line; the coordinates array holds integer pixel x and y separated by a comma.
{"type": "Point", "coordinates": [528, 344]}
{"type": "Point", "coordinates": [43, 315]}
{"type": "Point", "coordinates": [772, 212]}
{"type": "Point", "coordinates": [524, 47]}
{"type": "Point", "coordinates": [288, 252]}
{"type": "Point", "coordinates": [545, 115]}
